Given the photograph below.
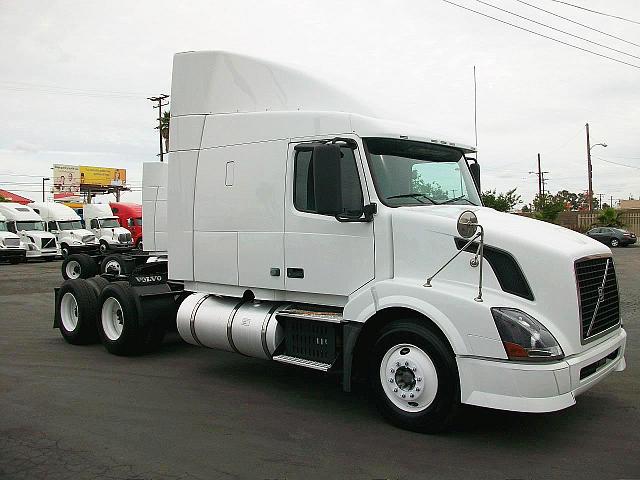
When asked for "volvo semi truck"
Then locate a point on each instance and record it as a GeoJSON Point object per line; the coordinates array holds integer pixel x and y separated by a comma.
{"type": "Point", "coordinates": [306, 231]}
{"type": "Point", "coordinates": [11, 248]}
{"type": "Point", "coordinates": [130, 217]}
{"type": "Point", "coordinates": [28, 225]}
{"type": "Point", "coordinates": [66, 225]}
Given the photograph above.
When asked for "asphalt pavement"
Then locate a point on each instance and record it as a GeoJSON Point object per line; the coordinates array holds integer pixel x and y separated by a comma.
{"type": "Point", "coordinates": [69, 412]}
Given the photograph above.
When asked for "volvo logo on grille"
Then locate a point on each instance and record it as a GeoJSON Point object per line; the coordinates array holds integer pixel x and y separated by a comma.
{"type": "Point", "coordinates": [600, 296]}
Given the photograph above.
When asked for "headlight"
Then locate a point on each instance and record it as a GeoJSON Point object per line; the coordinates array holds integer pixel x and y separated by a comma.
{"type": "Point", "coordinates": [524, 338]}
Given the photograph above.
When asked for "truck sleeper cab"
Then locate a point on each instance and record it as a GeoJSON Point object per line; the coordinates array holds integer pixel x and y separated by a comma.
{"type": "Point", "coordinates": [11, 248]}
{"type": "Point", "coordinates": [28, 225]}
{"type": "Point", "coordinates": [344, 243]}
{"type": "Point", "coordinates": [66, 225]}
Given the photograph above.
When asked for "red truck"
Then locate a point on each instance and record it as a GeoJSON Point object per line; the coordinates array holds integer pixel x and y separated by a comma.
{"type": "Point", "coordinates": [130, 217]}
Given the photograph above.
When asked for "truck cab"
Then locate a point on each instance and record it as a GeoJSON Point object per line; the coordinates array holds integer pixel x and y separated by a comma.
{"type": "Point", "coordinates": [130, 217]}
{"type": "Point", "coordinates": [29, 226]}
{"type": "Point", "coordinates": [11, 248]}
{"type": "Point", "coordinates": [106, 227]}
{"type": "Point", "coordinates": [66, 225]}
{"type": "Point", "coordinates": [307, 231]}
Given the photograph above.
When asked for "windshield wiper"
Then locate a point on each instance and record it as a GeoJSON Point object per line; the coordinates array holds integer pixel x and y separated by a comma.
{"type": "Point", "coordinates": [462, 197]}
{"type": "Point", "coordinates": [417, 196]}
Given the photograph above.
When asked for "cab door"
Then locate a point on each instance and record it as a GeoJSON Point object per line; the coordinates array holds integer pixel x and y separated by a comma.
{"type": "Point", "coordinates": [324, 255]}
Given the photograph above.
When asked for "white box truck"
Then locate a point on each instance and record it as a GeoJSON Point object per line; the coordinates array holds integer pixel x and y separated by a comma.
{"type": "Point", "coordinates": [304, 232]}
{"type": "Point", "coordinates": [11, 248]}
{"type": "Point", "coordinates": [66, 225]}
{"type": "Point", "coordinates": [25, 222]}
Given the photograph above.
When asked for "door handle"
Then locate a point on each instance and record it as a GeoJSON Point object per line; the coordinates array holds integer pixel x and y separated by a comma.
{"type": "Point", "coordinates": [295, 272]}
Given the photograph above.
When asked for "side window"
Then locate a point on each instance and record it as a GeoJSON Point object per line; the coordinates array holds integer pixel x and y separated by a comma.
{"type": "Point", "coordinates": [94, 223]}
{"type": "Point", "coordinates": [303, 187]}
{"type": "Point", "coordinates": [52, 226]}
{"type": "Point", "coordinates": [11, 226]}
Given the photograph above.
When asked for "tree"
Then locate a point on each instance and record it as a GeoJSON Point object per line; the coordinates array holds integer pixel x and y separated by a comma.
{"type": "Point", "coordinates": [610, 218]}
{"type": "Point", "coordinates": [526, 209]}
{"type": "Point", "coordinates": [503, 202]}
{"type": "Point", "coordinates": [548, 207]}
{"type": "Point", "coordinates": [164, 128]}
{"type": "Point", "coordinates": [576, 201]}
{"type": "Point", "coordinates": [431, 190]}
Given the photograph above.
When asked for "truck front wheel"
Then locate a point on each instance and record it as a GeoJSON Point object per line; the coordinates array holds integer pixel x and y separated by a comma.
{"type": "Point", "coordinates": [104, 247]}
{"type": "Point", "coordinates": [78, 265]}
{"type": "Point", "coordinates": [414, 377]}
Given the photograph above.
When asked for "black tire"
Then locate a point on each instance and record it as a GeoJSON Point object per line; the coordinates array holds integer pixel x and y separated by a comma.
{"type": "Point", "coordinates": [614, 242]}
{"type": "Point", "coordinates": [64, 250]}
{"type": "Point", "coordinates": [98, 283]}
{"type": "Point", "coordinates": [115, 263]}
{"type": "Point", "coordinates": [139, 244]}
{"type": "Point", "coordinates": [104, 247]}
{"type": "Point", "coordinates": [79, 264]}
{"type": "Point", "coordinates": [133, 339]}
{"type": "Point", "coordinates": [85, 330]}
{"type": "Point", "coordinates": [439, 410]}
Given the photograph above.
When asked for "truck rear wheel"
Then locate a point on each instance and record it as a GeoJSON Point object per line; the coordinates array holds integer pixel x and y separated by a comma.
{"type": "Point", "coordinates": [113, 264]}
{"type": "Point", "coordinates": [414, 377]}
{"type": "Point", "coordinates": [121, 325]}
{"type": "Point", "coordinates": [78, 265]}
{"type": "Point", "coordinates": [77, 311]}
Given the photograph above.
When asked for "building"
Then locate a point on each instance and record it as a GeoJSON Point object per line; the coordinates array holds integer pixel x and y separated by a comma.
{"type": "Point", "coordinates": [629, 205]}
{"type": "Point", "coordinates": [12, 197]}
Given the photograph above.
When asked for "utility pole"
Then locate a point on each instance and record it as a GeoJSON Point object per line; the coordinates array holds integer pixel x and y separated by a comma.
{"type": "Point", "coordinates": [589, 171]}
{"type": "Point", "coordinates": [600, 204]}
{"type": "Point", "coordinates": [44, 179]}
{"type": "Point", "coordinates": [611, 202]}
{"type": "Point", "coordinates": [541, 180]}
{"type": "Point", "coordinates": [160, 99]}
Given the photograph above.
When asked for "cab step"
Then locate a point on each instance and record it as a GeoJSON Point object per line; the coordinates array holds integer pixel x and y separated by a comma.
{"type": "Point", "coordinates": [301, 362]}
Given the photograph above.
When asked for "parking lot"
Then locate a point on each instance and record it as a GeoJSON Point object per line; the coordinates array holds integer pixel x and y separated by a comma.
{"type": "Point", "coordinates": [192, 413]}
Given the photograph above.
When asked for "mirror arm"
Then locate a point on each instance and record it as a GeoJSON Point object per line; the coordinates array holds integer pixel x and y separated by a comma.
{"type": "Point", "coordinates": [368, 211]}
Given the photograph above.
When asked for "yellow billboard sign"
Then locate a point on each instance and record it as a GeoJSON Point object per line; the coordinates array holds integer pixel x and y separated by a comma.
{"type": "Point", "coordinates": [103, 176]}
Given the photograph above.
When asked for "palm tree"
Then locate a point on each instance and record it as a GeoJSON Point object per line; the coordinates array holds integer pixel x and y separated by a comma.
{"type": "Point", "coordinates": [610, 218]}
{"type": "Point", "coordinates": [164, 128]}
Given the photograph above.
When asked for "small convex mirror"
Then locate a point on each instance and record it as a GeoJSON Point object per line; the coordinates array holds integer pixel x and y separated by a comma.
{"type": "Point", "coordinates": [467, 224]}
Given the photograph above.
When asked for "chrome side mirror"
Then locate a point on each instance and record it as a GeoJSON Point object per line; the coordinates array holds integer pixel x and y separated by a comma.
{"type": "Point", "coordinates": [467, 224]}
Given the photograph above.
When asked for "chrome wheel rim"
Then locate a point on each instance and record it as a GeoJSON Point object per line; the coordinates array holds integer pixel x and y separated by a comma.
{"type": "Point", "coordinates": [614, 243]}
{"type": "Point", "coordinates": [69, 312]}
{"type": "Point", "coordinates": [409, 378]}
{"type": "Point", "coordinates": [112, 318]}
{"type": "Point", "coordinates": [73, 269]}
{"type": "Point", "coordinates": [103, 247]}
{"type": "Point", "coordinates": [113, 266]}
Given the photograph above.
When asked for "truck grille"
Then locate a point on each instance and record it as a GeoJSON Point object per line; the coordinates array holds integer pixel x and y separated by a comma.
{"type": "Point", "coordinates": [12, 242]}
{"type": "Point", "coordinates": [124, 237]}
{"type": "Point", "coordinates": [88, 238]}
{"type": "Point", "coordinates": [598, 296]}
{"type": "Point", "coordinates": [48, 243]}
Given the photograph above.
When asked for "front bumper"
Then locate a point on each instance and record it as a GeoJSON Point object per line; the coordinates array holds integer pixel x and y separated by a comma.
{"type": "Point", "coordinates": [120, 246]}
{"type": "Point", "coordinates": [530, 387]}
{"type": "Point", "coordinates": [84, 248]}
{"type": "Point", "coordinates": [12, 253]}
{"type": "Point", "coordinates": [45, 252]}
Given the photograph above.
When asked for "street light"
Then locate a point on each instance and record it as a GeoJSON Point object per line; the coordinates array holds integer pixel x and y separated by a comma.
{"type": "Point", "coordinates": [589, 169]}
{"type": "Point", "coordinates": [44, 179]}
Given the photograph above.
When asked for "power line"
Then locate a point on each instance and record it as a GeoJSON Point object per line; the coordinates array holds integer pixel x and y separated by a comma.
{"type": "Point", "coordinates": [616, 163]}
{"type": "Point", "coordinates": [557, 29]}
{"type": "Point", "coordinates": [597, 12]}
{"type": "Point", "coordinates": [543, 36]}
{"type": "Point", "coordinates": [578, 23]}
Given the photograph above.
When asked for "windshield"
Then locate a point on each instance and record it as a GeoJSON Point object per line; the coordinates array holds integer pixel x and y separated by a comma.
{"type": "Point", "coordinates": [70, 225]}
{"type": "Point", "coordinates": [38, 226]}
{"type": "Point", "coordinates": [3, 227]}
{"type": "Point", "coordinates": [109, 222]}
{"type": "Point", "coordinates": [406, 172]}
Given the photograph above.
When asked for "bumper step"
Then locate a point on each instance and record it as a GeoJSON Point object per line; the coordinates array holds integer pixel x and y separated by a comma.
{"type": "Point", "coordinates": [303, 362]}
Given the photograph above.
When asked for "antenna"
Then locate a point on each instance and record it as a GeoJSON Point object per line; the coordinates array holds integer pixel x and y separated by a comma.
{"type": "Point", "coordinates": [475, 107]}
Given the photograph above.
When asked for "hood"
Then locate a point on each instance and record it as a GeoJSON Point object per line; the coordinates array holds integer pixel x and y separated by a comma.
{"type": "Point", "coordinates": [424, 240]}
{"type": "Point", "coordinates": [8, 235]}
{"type": "Point", "coordinates": [38, 234]}
{"type": "Point", "coordinates": [79, 233]}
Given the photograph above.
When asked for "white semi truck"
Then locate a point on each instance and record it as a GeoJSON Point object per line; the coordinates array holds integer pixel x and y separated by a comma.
{"type": "Point", "coordinates": [11, 248]}
{"type": "Point", "coordinates": [106, 227]}
{"type": "Point", "coordinates": [25, 222]}
{"type": "Point", "coordinates": [66, 225]}
{"type": "Point", "coordinates": [304, 232]}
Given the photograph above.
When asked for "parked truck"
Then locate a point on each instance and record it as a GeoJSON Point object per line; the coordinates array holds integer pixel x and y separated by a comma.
{"type": "Point", "coordinates": [66, 225]}
{"type": "Point", "coordinates": [130, 217]}
{"type": "Point", "coordinates": [11, 248]}
{"type": "Point", "coordinates": [28, 225]}
{"type": "Point", "coordinates": [306, 232]}
{"type": "Point", "coordinates": [106, 227]}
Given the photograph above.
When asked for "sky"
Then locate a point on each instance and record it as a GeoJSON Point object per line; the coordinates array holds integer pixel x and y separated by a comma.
{"type": "Point", "coordinates": [75, 76]}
